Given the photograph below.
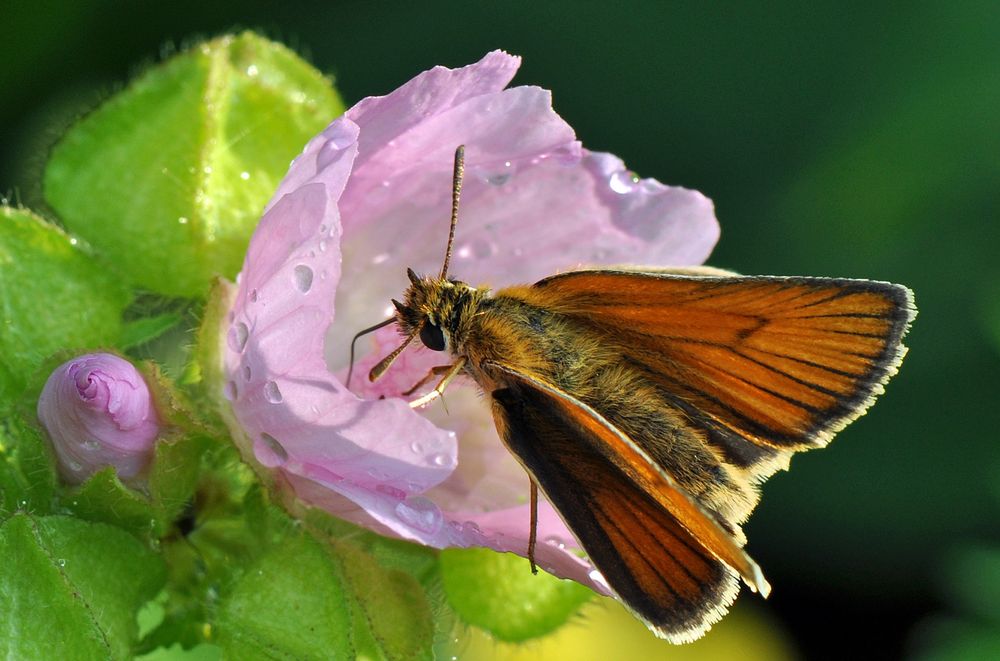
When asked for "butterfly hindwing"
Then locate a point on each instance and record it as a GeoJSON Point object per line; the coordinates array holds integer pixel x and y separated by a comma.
{"type": "Point", "coordinates": [657, 549]}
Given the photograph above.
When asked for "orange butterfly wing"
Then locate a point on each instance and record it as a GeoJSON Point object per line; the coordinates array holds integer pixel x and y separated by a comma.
{"type": "Point", "coordinates": [666, 558]}
{"type": "Point", "coordinates": [762, 364]}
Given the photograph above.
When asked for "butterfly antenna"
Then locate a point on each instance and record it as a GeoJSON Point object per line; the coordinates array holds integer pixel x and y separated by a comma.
{"type": "Point", "coordinates": [456, 192]}
{"type": "Point", "coordinates": [381, 324]}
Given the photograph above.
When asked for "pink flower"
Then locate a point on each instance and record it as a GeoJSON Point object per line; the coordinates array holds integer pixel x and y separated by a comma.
{"type": "Point", "coordinates": [369, 197]}
{"type": "Point", "coordinates": [98, 412]}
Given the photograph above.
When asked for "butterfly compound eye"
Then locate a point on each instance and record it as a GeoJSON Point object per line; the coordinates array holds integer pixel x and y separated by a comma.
{"type": "Point", "coordinates": [432, 337]}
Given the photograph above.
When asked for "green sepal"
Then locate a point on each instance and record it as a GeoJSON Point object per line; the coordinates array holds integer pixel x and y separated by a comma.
{"type": "Point", "coordinates": [393, 620]}
{"type": "Point", "coordinates": [498, 593]}
{"type": "Point", "coordinates": [169, 177]}
{"type": "Point", "coordinates": [53, 295]}
{"type": "Point", "coordinates": [27, 473]}
{"type": "Point", "coordinates": [289, 604]}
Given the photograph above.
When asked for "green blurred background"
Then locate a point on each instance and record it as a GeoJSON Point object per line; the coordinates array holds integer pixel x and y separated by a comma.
{"type": "Point", "coordinates": [840, 139]}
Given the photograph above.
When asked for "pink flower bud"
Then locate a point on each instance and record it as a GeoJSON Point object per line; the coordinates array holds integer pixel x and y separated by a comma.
{"type": "Point", "coordinates": [98, 412]}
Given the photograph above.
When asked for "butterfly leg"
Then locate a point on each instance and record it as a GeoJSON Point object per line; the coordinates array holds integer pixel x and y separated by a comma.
{"type": "Point", "coordinates": [431, 373]}
{"type": "Point", "coordinates": [453, 371]}
{"type": "Point", "coordinates": [533, 533]}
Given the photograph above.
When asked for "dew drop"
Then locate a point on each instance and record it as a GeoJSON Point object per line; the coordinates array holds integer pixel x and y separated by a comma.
{"type": "Point", "coordinates": [322, 229]}
{"type": "Point", "coordinates": [555, 541]}
{"type": "Point", "coordinates": [61, 562]}
{"type": "Point", "coordinates": [416, 447]}
{"type": "Point", "coordinates": [320, 474]}
{"type": "Point", "coordinates": [182, 220]}
{"type": "Point", "coordinates": [476, 249]}
{"type": "Point", "coordinates": [623, 181]}
{"type": "Point", "coordinates": [247, 373]}
{"type": "Point", "coordinates": [272, 393]}
{"type": "Point", "coordinates": [498, 179]}
{"type": "Point", "coordinates": [207, 169]}
{"type": "Point", "coordinates": [303, 277]}
{"type": "Point", "coordinates": [380, 258]}
{"type": "Point", "coordinates": [231, 392]}
{"type": "Point", "coordinates": [238, 336]}
{"type": "Point", "coordinates": [391, 491]}
{"type": "Point", "coordinates": [269, 451]}
{"type": "Point", "coordinates": [254, 296]}
{"type": "Point", "coordinates": [322, 246]}
{"type": "Point", "coordinates": [74, 466]}
{"type": "Point", "coordinates": [597, 577]}
{"type": "Point", "coordinates": [252, 70]}
{"type": "Point", "coordinates": [420, 513]}
{"type": "Point", "coordinates": [441, 459]}
{"type": "Point", "coordinates": [244, 175]}
{"type": "Point", "coordinates": [90, 445]}
{"type": "Point", "coordinates": [376, 474]}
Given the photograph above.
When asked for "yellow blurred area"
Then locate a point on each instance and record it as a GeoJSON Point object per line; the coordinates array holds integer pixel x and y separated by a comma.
{"type": "Point", "coordinates": [605, 630]}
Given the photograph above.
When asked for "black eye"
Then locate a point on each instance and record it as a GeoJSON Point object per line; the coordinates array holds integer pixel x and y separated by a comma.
{"type": "Point", "coordinates": [432, 337]}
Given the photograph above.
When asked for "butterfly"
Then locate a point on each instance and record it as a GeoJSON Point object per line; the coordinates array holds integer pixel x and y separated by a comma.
{"type": "Point", "coordinates": [648, 405]}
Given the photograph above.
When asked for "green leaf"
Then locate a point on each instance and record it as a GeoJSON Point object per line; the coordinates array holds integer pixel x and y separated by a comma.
{"type": "Point", "coordinates": [103, 498]}
{"type": "Point", "coordinates": [169, 177]}
{"type": "Point", "coordinates": [144, 330]}
{"type": "Point", "coordinates": [393, 618]}
{"type": "Point", "coordinates": [52, 296]}
{"type": "Point", "coordinates": [290, 604]}
{"type": "Point", "coordinates": [27, 476]}
{"type": "Point", "coordinates": [497, 592]}
{"type": "Point", "coordinates": [172, 480]}
{"type": "Point", "coordinates": [71, 589]}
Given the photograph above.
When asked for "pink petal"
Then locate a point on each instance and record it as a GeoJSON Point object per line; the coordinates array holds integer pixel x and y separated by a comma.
{"type": "Point", "coordinates": [370, 197]}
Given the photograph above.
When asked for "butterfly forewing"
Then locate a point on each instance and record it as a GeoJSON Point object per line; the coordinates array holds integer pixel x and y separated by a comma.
{"type": "Point", "coordinates": [780, 362]}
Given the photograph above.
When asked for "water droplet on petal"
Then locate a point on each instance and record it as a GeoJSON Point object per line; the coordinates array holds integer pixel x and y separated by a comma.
{"type": "Point", "coordinates": [441, 459]}
{"type": "Point", "coordinates": [416, 447]}
{"type": "Point", "coordinates": [322, 229]}
{"type": "Point", "coordinates": [303, 277]}
{"type": "Point", "coordinates": [272, 393]}
{"type": "Point", "coordinates": [391, 491]}
{"type": "Point", "coordinates": [247, 373]}
{"type": "Point", "coordinates": [269, 451]}
{"type": "Point", "coordinates": [556, 541]}
{"type": "Point", "coordinates": [231, 392]}
{"type": "Point", "coordinates": [377, 474]}
{"type": "Point", "coordinates": [420, 513]}
{"type": "Point", "coordinates": [476, 249]}
{"type": "Point", "coordinates": [597, 577]}
{"type": "Point", "coordinates": [90, 445]}
{"type": "Point", "coordinates": [238, 336]}
{"type": "Point", "coordinates": [380, 258]}
{"type": "Point", "coordinates": [320, 474]}
{"type": "Point", "coordinates": [623, 181]}
{"type": "Point", "coordinates": [498, 179]}
{"type": "Point", "coordinates": [74, 465]}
